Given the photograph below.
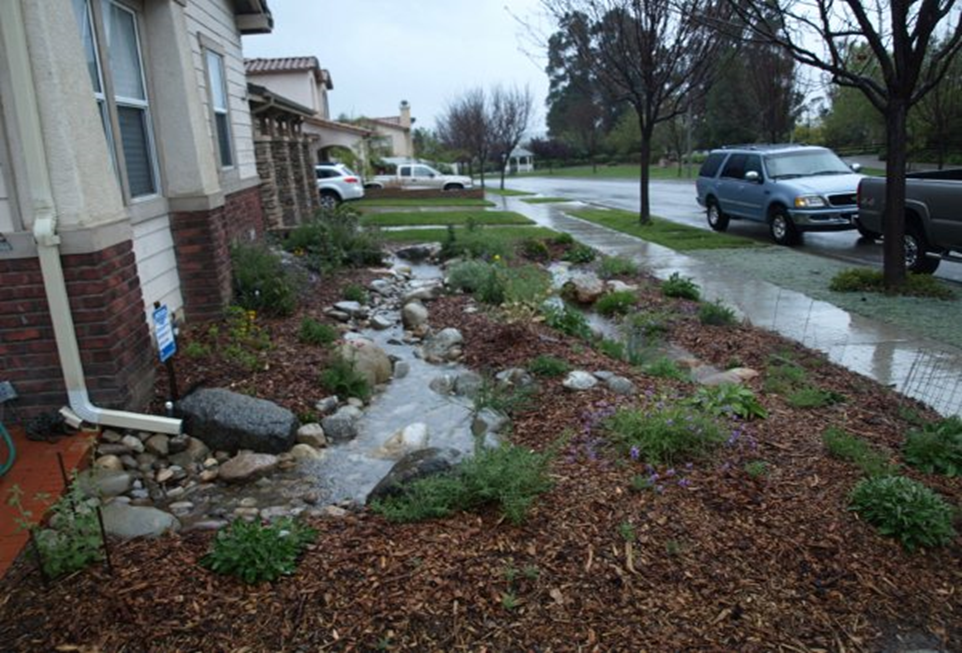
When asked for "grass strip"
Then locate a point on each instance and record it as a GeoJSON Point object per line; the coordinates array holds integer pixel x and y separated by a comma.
{"type": "Point", "coordinates": [442, 218]}
{"type": "Point", "coordinates": [546, 200]}
{"type": "Point", "coordinates": [679, 237]}
{"type": "Point", "coordinates": [507, 192]}
{"type": "Point", "coordinates": [422, 201]}
{"type": "Point", "coordinates": [508, 235]}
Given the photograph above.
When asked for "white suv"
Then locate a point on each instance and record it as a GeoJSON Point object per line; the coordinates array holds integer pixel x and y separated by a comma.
{"type": "Point", "coordinates": [337, 183]}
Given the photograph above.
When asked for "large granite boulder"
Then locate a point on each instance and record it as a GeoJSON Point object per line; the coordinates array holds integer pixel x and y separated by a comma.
{"type": "Point", "coordinates": [416, 465]}
{"type": "Point", "coordinates": [228, 421]}
{"type": "Point", "coordinates": [370, 361]}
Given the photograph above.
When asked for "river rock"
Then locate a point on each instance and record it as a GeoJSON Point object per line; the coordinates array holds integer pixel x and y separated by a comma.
{"type": "Point", "coordinates": [443, 346]}
{"type": "Point", "coordinates": [382, 287]}
{"type": "Point", "coordinates": [110, 462]}
{"type": "Point", "coordinates": [196, 452]}
{"type": "Point", "coordinates": [401, 369]}
{"type": "Point", "coordinates": [126, 521]}
{"type": "Point", "coordinates": [580, 380]}
{"type": "Point", "coordinates": [327, 405]}
{"type": "Point", "coordinates": [419, 464]}
{"type": "Point", "coordinates": [443, 384]}
{"type": "Point", "coordinates": [111, 436]}
{"type": "Point", "coordinates": [613, 285]}
{"type": "Point", "coordinates": [229, 421]}
{"type": "Point", "coordinates": [342, 425]}
{"type": "Point", "coordinates": [488, 420]}
{"type": "Point", "coordinates": [514, 377]}
{"type": "Point", "coordinates": [103, 483]}
{"type": "Point", "coordinates": [468, 384]}
{"type": "Point", "coordinates": [424, 293]}
{"type": "Point", "coordinates": [411, 438]}
{"type": "Point", "coordinates": [312, 434]}
{"type": "Point", "coordinates": [381, 322]}
{"type": "Point", "coordinates": [370, 361]}
{"type": "Point", "coordinates": [620, 385]}
{"type": "Point", "coordinates": [109, 449]}
{"type": "Point", "coordinates": [736, 375]}
{"type": "Point", "coordinates": [306, 452]}
{"type": "Point", "coordinates": [418, 253]}
{"type": "Point", "coordinates": [584, 288]}
{"type": "Point", "coordinates": [247, 466]}
{"type": "Point", "coordinates": [133, 443]}
{"type": "Point", "coordinates": [413, 315]}
{"type": "Point", "coordinates": [354, 309]}
{"type": "Point", "coordinates": [159, 445]}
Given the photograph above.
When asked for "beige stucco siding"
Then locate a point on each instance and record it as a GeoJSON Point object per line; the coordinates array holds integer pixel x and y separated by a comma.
{"type": "Point", "coordinates": [214, 20]}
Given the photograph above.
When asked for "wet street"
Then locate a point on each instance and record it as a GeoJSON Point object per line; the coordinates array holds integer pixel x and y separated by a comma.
{"type": "Point", "coordinates": [675, 200]}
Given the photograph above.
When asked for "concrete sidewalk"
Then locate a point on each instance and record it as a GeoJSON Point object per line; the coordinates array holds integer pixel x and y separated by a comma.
{"type": "Point", "coordinates": [918, 367]}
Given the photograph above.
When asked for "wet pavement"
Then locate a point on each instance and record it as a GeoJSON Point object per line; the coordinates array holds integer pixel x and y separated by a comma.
{"type": "Point", "coordinates": [918, 367]}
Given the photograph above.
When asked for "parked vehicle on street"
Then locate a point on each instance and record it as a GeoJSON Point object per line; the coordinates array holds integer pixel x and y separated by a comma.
{"type": "Point", "coordinates": [337, 183]}
{"type": "Point", "coordinates": [933, 222]}
{"type": "Point", "coordinates": [792, 188]}
{"type": "Point", "coordinates": [417, 176]}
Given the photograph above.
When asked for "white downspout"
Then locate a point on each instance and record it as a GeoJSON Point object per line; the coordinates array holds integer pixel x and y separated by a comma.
{"type": "Point", "coordinates": [27, 113]}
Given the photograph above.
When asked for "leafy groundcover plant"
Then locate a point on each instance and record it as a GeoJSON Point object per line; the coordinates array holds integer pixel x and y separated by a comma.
{"type": "Point", "coordinates": [900, 507]}
{"type": "Point", "coordinates": [255, 553]}
{"type": "Point", "coordinates": [937, 448]}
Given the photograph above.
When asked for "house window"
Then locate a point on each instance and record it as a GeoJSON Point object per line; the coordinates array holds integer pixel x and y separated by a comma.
{"type": "Point", "coordinates": [109, 32]}
{"type": "Point", "coordinates": [218, 103]}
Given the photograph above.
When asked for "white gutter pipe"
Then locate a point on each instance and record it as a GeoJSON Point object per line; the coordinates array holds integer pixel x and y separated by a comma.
{"type": "Point", "coordinates": [48, 242]}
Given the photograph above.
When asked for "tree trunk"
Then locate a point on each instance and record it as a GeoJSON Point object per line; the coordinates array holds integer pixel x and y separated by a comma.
{"type": "Point", "coordinates": [893, 245]}
{"type": "Point", "coordinates": [504, 168]}
{"type": "Point", "coordinates": [644, 215]}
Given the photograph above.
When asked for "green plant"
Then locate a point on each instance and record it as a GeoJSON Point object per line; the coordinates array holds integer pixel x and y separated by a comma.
{"type": "Point", "coordinates": [716, 314]}
{"type": "Point", "coordinates": [641, 483]}
{"type": "Point", "coordinates": [246, 339]}
{"type": "Point", "coordinates": [503, 398]}
{"type": "Point", "coordinates": [256, 553]}
{"type": "Point", "coordinates": [333, 239]}
{"type": "Point", "coordinates": [548, 366]}
{"type": "Point", "coordinates": [627, 531]}
{"type": "Point", "coordinates": [616, 266]}
{"type": "Point", "coordinates": [616, 303]}
{"type": "Point", "coordinates": [783, 377]}
{"type": "Point", "coordinates": [355, 293]}
{"type": "Point", "coordinates": [811, 397]}
{"type": "Point", "coordinates": [665, 435]}
{"type": "Point", "coordinates": [567, 319]}
{"type": "Point", "coordinates": [468, 276]}
{"type": "Point", "coordinates": [535, 249]}
{"type": "Point", "coordinates": [612, 349]}
{"type": "Point", "coordinates": [564, 238]}
{"type": "Point", "coordinates": [195, 349]}
{"type": "Point", "coordinates": [936, 448]}
{"type": "Point", "coordinates": [531, 572]}
{"type": "Point", "coordinates": [865, 280]}
{"type": "Point", "coordinates": [526, 284]}
{"type": "Point", "coordinates": [72, 539]}
{"type": "Point", "coordinates": [492, 289]}
{"type": "Point", "coordinates": [508, 476]}
{"type": "Point", "coordinates": [845, 446]}
{"type": "Point", "coordinates": [261, 282]}
{"type": "Point", "coordinates": [316, 333]}
{"type": "Point", "coordinates": [509, 601]}
{"type": "Point", "coordinates": [580, 253]}
{"type": "Point", "coordinates": [643, 331]}
{"type": "Point", "coordinates": [341, 377]}
{"type": "Point", "coordinates": [680, 287]}
{"type": "Point", "coordinates": [756, 468]}
{"type": "Point", "coordinates": [906, 509]}
{"type": "Point", "coordinates": [729, 399]}
{"type": "Point", "coordinates": [306, 417]}
{"type": "Point", "coordinates": [665, 368]}
{"type": "Point", "coordinates": [510, 573]}
{"type": "Point", "coordinates": [674, 548]}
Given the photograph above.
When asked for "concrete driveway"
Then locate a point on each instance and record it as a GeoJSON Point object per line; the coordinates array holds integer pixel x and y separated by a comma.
{"type": "Point", "coordinates": [675, 200]}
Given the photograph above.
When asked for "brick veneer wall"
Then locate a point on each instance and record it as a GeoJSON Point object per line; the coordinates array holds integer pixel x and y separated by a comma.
{"type": "Point", "coordinates": [202, 241]}
{"type": "Point", "coordinates": [108, 313]}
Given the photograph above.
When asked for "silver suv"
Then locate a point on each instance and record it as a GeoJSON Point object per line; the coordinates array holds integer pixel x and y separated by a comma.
{"type": "Point", "coordinates": [337, 183]}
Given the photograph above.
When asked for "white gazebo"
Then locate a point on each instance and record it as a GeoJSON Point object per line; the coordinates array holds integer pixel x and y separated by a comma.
{"type": "Point", "coordinates": [520, 160]}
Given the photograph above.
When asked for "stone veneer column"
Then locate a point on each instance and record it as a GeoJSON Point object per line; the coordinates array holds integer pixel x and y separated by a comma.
{"type": "Point", "coordinates": [268, 174]}
{"type": "Point", "coordinates": [285, 182]}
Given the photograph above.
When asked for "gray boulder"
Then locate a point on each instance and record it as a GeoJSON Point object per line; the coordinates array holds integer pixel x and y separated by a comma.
{"type": "Point", "coordinates": [580, 380]}
{"type": "Point", "coordinates": [514, 377]}
{"type": "Point", "coordinates": [414, 315]}
{"type": "Point", "coordinates": [370, 361]}
{"type": "Point", "coordinates": [247, 466]}
{"type": "Point", "coordinates": [228, 421]}
{"type": "Point", "coordinates": [126, 521]}
{"type": "Point", "coordinates": [620, 385]}
{"type": "Point", "coordinates": [416, 465]}
{"type": "Point", "coordinates": [444, 345]}
{"type": "Point", "coordinates": [342, 425]}
{"type": "Point", "coordinates": [103, 483]}
{"type": "Point", "coordinates": [584, 288]}
{"type": "Point", "coordinates": [468, 384]}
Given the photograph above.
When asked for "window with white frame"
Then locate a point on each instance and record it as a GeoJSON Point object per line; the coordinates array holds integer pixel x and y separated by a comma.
{"type": "Point", "coordinates": [217, 80]}
{"type": "Point", "coordinates": [110, 35]}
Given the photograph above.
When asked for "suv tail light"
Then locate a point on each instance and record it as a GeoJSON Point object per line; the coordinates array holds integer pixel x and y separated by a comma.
{"type": "Point", "coordinates": [350, 180]}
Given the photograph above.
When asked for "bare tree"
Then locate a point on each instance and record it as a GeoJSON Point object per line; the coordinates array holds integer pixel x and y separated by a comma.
{"type": "Point", "coordinates": [509, 118]}
{"type": "Point", "coordinates": [656, 55]}
{"type": "Point", "coordinates": [884, 48]}
{"type": "Point", "coordinates": [464, 126]}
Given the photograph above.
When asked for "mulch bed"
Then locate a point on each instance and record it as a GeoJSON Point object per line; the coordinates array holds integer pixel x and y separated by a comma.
{"type": "Point", "coordinates": [722, 561]}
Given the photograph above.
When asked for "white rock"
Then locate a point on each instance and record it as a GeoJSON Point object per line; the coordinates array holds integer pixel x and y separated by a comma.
{"type": "Point", "coordinates": [411, 438]}
{"type": "Point", "coordinates": [579, 380]}
{"type": "Point", "coordinates": [247, 466]}
{"type": "Point", "coordinates": [413, 315]}
{"type": "Point", "coordinates": [109, 462]}
{"type": "Point", "coordinates": [133, 443]}
{"type": "Point", "coordinates": [312, 434]}
{"type": "Point", "coordinates": [306, 452]}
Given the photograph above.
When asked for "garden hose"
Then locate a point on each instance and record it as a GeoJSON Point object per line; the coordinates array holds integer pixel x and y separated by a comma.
{"type": "Point", "coordinates": [7, 440]}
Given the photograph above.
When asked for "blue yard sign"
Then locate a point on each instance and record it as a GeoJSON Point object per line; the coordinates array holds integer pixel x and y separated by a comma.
{"type": "Point", "coordinates": [166, 345]}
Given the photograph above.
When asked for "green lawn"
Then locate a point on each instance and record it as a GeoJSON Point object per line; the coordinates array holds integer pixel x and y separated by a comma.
{"type": "Point", "coordinates": [423, 201]}
{"type": "Point", "coordinates": [507, 192]}
{"type": "Point", "coordinates": [612, 172]}
{"type": "Point", "coordinates": [546, 200]}
{"type": "Point", "coordinates": [480, 242]}
{"type": "Point", "coordinates": [679, 237]}
{"type": "Point", "coordinates": [442, 218]}
{"type": "Point", "coordinates": [873, 172]}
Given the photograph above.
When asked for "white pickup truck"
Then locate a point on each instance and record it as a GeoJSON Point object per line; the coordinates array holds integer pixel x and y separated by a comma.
{"type": "Point", "coordinates": [417, 176]}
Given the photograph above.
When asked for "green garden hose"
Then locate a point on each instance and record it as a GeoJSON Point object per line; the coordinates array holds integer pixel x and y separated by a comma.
{"type": "Point", "coordinates": [7, 440]}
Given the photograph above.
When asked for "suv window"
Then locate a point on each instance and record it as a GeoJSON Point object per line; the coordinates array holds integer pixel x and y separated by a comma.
{"type": "Point", "coordinates": [404, 171]}
{"type": "Point", "coordinates": [423, 171]}
{"type": "Point", "coordinates": [711, 165]}
{"type": "Point", "coordinates": [735, 168]}
{"type": "Point", "coordinates": [753, 163]}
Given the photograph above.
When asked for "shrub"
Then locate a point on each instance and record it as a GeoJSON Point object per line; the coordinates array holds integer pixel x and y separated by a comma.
{"type": "Point", "coordinates": [333, 239]}
{"type": "Point", "coordinates": [680, 287]}
{"type": "Point", "coordinates": [616, 303]}
{"type": "Point", "coordinates": [548, 366]}
{"type": "Point", "coordinates": [355, 293]}
{"type": "Point", "coordinates": [810, 397]}
{"type": "Point", "coordinates": [261, 282]}
{"type": "Point", "coordinates": [568, 320]}
{"type": "Point", "coordinates": [503, 398]}
{"type": "Point", "coordinates": [900, 507]}
{"type": "Point", "coordinates": [195, 349]}
{"type": "Point", "coordinates": [716, 314]}
{"type": "Point", "coordinates": [665, 368]}
{"type": "Point", "coordinates": [316, 333]}
{"type": "Point", "coordinates": [727, 400]}
{"type": "Point", "coordinates": [616, 266]}
{"type": "Point", "coordinates": [535, 250]}
{"type": "Point", "coordinates": [510, 477]}
{"type": "Point", "coordinates": [564, 238]}
{"type": "Point", "coordinates": [937, 448]}
{"type": "Point", "coordinates": [526, 284]}
{"type": "Point", "coordinates": [580, 253]}
{"type": "Point", "coordinates": [666, 435]}
{"type": "Point", "coordinates": [492, 289]}
{"type": "Point", "coordinates": [847, 447]}
{"type": "Point", "coordinates": [256, 553]}
{"type": "Point", "coordinates": [476, 243]}
{"type": "Point", "coordinates": [612, 349]}
{"type": "Point", "coordinates": [468, 276]}
{"type": "Point", "coordinates": [342, 379]}
{"type": "Point", "coordinates": [865, 280]}
{"type": "Point", "coordinates": [756, 468]}
{"type": "Point", "coordinates": [782, 378]}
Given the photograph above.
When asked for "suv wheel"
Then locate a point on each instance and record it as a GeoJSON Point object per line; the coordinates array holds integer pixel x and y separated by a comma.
{"type": "Point", "coordinates": [782, 228]}
{"type": "Point", "coordinates": [717, 220]}
{"type": "Point", "coordinates": [329, 200]}
{"type": "Point", "coordinates": [453, 187]}
{"type": "Point", "coordinates": [915, 249]}
{"type": "Point", "coordinates": [866, 233]}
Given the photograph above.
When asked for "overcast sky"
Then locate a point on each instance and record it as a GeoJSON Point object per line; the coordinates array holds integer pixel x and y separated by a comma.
{"type": "Point", "coordinates": [427, 52]}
